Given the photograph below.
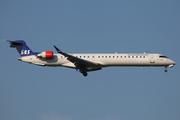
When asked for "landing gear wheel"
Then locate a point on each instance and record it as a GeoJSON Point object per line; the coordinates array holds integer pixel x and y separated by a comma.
{"type": "Point", "coordinates": [165, 69]}
{"type": "Point", "coordinates": [85, 73]}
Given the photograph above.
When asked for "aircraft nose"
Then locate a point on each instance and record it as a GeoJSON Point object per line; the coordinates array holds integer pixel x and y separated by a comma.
{"type": "Point", "coordinates": [20, 58]}
{"type": "Point", "coordinates": [174, 63]}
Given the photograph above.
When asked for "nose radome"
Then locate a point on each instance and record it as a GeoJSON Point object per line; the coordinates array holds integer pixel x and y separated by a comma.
{"type": "Point", "coordinates": [174, 63]}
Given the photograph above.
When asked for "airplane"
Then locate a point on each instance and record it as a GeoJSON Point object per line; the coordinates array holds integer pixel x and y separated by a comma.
{"type": "Point", "coordinates": [88, 62]}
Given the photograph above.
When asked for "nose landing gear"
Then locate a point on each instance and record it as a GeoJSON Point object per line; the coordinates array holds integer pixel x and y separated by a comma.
{"type": "Point", "coordinates": [165, 69]}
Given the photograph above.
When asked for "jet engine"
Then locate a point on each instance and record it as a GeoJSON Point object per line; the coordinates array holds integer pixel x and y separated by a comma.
{"type": "Point", "coordinates": [46, 54]}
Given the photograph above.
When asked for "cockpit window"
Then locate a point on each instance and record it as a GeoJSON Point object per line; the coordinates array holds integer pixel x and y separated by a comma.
{"type": "Point", "coordinates": [161, 56]}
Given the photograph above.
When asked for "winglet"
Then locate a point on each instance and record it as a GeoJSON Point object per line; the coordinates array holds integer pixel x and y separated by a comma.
{"type": "Point", "coordinates": [58, 50]}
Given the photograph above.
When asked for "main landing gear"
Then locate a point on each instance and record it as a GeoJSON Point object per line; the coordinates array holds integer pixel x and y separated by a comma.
{"type": "Point", "coordinates": [84, 72]}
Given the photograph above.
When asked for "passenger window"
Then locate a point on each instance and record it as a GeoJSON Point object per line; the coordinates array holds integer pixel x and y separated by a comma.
{"type": "Point", "coordinates": [132, 56]}
{"type": "Point", "coordinates": [106, 56]}
{"type": "Point", "coordinates": [136, 56]}
{"type": "Point", "coordinates": [102, 56]}
{"type": "Point", "coordinates": [140, 56]}
{"type": "Point", "coordinates": [121, 56]}
{"type": "Point", "coordinates": [84, 56]}
{"type": "Point", "coordinates": [117, 56]}
{"type": "Point", "coordinates": [124, 56]}
{"type": "Point", "coordinates": [128, 56]}
{"type": "Point", "coordinates": [143, 56]}
{"type": "Point", "coordinates": [113, 56]}
{"type": "Point", "coordinates": [109, 56]}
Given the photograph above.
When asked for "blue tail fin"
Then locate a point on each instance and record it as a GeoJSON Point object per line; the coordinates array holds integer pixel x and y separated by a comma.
{"type": "Point", "coordinates": [22, 48]}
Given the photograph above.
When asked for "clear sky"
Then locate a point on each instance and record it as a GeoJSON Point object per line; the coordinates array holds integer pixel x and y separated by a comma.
{"type": "Point", "coordinates": [30, 92]}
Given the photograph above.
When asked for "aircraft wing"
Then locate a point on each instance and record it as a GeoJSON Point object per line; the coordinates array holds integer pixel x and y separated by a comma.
{"type": "Point", "coordinates": [79, 63]}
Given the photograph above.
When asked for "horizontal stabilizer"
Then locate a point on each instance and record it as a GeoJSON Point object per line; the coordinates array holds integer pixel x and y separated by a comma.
{"type": "Point", "coordinates": [21, 47]}
{"type": "Point", "coordinates": [14, 43]}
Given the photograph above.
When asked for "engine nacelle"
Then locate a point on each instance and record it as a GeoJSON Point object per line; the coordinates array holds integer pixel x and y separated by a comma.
{"type": "Point", "coordinates": [46, 54]}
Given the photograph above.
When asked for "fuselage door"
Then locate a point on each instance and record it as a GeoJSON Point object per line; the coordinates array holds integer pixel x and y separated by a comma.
{"type": "Point", "coordinates": [152, 59]}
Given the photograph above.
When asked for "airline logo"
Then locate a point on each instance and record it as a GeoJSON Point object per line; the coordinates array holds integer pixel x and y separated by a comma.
{"type": "Point", "coordinates": [25, 52]}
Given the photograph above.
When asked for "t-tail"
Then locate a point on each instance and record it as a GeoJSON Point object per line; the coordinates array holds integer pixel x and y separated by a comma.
{"type": "Point", "coordinates": [21, 47]}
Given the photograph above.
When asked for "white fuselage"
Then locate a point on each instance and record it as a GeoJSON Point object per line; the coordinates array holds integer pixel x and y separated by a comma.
{"type": "Point", "coordinates": [88, 62]}
{"type": "Point", "coordinates": [104, 60]}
